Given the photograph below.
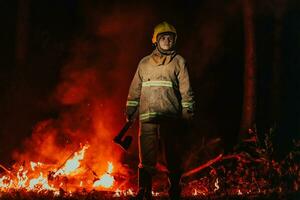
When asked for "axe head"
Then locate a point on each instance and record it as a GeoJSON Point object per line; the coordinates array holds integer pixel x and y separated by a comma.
{"type": "Point", "coordinates": [125, 144]}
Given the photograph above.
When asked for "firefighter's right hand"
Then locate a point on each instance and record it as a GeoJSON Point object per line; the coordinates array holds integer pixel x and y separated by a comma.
{"type": "Point", "coordinates": [129, 113]}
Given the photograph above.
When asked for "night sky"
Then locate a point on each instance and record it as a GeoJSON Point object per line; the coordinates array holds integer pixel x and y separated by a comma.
{"type": "Point", "coordinates": [43, 42]}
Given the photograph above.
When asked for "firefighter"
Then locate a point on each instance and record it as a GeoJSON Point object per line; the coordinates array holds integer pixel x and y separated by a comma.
{"type": "Point", "coordinates": [162, 93]}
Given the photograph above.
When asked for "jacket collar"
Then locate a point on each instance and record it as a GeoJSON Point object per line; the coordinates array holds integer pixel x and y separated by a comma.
{"type": "Point", "coordinates": [157, 58]}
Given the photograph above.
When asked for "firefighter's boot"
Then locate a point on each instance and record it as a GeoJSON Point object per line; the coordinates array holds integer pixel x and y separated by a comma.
{"type": "Point", "coordinates": [145, 185]}
{"type": "Point", "coordinates": [175, 188]}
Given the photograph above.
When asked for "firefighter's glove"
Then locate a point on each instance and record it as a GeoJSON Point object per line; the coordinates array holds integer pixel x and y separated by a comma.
{"type": "Point", "coordinates": [129, 113]}
{"type": "Point", "coordinates": [187, 115]}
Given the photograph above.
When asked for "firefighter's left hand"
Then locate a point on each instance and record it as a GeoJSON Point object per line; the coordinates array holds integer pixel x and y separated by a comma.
{"type": "Point", "coordinates": [187, 115]}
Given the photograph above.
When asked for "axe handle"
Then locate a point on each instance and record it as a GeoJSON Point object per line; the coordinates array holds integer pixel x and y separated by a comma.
{"type": "Point", "coordinates": [123, 130]}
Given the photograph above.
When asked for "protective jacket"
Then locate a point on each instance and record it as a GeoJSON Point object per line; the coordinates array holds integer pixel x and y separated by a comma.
{"type": "Point", "coordinates": [160, 88]}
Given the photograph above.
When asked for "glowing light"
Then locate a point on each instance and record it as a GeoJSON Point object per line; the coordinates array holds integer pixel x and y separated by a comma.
{"type": "Point", "coordinates": [5, 183]}
{"type": "Point", "coordinates": [106, 180]}
{"type": "Point", "coordinates": [117, 193]}
{"type": "Point", "coordinates": [56, 193]}
{"type": "Point", "coordinates": [198, 192]}
{"type": "Point", "coordinates": [73, 163]}
{"type": "Point", "coordinates": [39, 184]}
{"type": "Point", "coordinates": [33, 165]}
{"type": "Point", "coordinates": [217, 187]}
{"type": "Point", "coordinates": [22, 177]}
{"type": "Point", "coordinates": [155, 194]}
{"type": "Point", "coordinates": [110, 167]}
{"type": "Point", "coordinates": [129, 192]}
{"type": "Point", "coordinates": [195, 192]}
{"type": "Point", "coordinates": [239, 192]}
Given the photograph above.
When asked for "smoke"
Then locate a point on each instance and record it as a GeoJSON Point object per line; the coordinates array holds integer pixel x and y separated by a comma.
{"type": "Point", "coordinates": [91, 93]}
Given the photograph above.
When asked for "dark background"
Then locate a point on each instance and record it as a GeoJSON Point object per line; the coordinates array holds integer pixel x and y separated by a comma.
{"type": "Point", "coordinates": [40, 38]}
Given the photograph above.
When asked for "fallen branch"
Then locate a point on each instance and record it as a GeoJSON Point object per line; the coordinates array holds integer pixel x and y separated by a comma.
{"type": "Point", "coordinates": [52, 174]}
{"type": "Point", "coordinates": [240, 157]}
{"type": "Point", "coordinates": [201, 167]}
{"type": "Point", "coordinates": [93, 172]}
{"type": "Point", "coordinates": [5, 169]}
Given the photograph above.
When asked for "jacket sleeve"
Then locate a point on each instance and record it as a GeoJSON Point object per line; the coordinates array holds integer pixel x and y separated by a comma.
{"type": "Point", "coordinates": [134, 93]}
{"type": "Point", "coordinates": [187, 95]}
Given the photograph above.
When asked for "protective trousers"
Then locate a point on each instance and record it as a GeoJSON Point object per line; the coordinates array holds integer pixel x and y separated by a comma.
{"type": "Point", "coordinates": [166, 138]}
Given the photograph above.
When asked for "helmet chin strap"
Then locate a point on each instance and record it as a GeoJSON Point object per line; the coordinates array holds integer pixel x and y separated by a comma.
{"type": "Point", "coordinates": [165, 52]}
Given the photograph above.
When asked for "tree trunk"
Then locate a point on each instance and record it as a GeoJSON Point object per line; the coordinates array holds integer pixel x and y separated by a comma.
{"type": "Point", "coordinates": [249, 99]}
{"type": "Point", "coordinates": [279, 9]}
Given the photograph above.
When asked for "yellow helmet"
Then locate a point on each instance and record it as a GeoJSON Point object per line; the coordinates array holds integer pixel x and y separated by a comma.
{"type": "Point", "coordinates": [163, 28]}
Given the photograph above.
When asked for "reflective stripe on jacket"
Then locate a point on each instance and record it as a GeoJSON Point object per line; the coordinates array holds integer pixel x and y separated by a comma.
{"type": "Point", "coordinates": [161, 90]}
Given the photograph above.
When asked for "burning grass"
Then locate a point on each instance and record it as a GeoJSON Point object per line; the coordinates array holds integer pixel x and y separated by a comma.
{"type": "Point", "coordinates": [249, 175]}
{"type": "Point", "coordinates": [71, 176]}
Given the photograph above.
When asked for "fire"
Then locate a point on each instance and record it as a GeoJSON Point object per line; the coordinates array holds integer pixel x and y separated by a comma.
{"type": "Point", "coordinates": [5, 183]}
{"type": "Point", "coordinates": [33, 165]}
{"type": "Point", "coordinates": [156, 194]}
{"type": "Point", "coordinates": [239, 192]}
{"type": "Point", "coordinates": [39, 184]}
{"type": "Point", "coordinates": [106, 180]}
{"type": "Point", "coordinates": [217, 187]}
{"type": "Point", "coordinates": [22, 177]}
{"type": "Point", "coordinates": [73, 163]}
{"type": "Point", "coordinates": [196, 192]}
{"type": "Point", "coordinates": [35, 178]}
{"type": "Point", "coordinates": [117, 193]}
{"type": "Point", "coordinates": [129, 192]}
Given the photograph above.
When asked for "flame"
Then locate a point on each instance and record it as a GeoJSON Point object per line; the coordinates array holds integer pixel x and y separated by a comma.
{"type": "Point", "coordinates": [106, 180]}
{"type": "Point", "coordinates": [34, 179]}
{"type": "Point", "coordinates": [5, 183]}
{"type": "Point", "coordinates": [39, 184]}
{"type": "Point", "coordinates": [217, 187]}
{"type": "Point", "coordinates": [22, 177]}
{"type": "Point", "coordinates": [239, 192]}
{"type": "Point", "coordinates": [117, 193]}
{"type": "Point", "coordinates": [73, 163]}
{"type": "Point", "coordinates": [195, 192]}
{"type": "Point", "coordinates": [198, 192]}
{"type": "Point", "coordinates": [156, 194]}
{"type": "Point", "coordinates": [129, 192]}
{"type": "Point", "coordinates": [110, 167]}
{"type": "Point", "coordinates": [33, 165]}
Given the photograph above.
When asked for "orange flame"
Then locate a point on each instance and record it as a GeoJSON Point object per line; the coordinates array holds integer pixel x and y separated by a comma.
{"type": "Point", "coordinates": [39, 184]}
{"type": "Point", "coordinates": [22, 177]}
{"type": "Point", "coordinates": [33, 165]}
{"type": "Point", "coordinates": [73, 163]}
{"type": "Point", "coordinates": [5, 183]}
{"type": "Point", "coordinates": [129, 192]}
{"type": "Point", "coordinates": [217, 187]}
{"type": "Point", "coordinates": [35, 177]}
{"type": "Point", "coordinates": [106, 180]}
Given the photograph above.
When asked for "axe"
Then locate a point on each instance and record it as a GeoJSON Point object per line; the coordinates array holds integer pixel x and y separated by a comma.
{"type": "Point", "coordinates": [124, 143]}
